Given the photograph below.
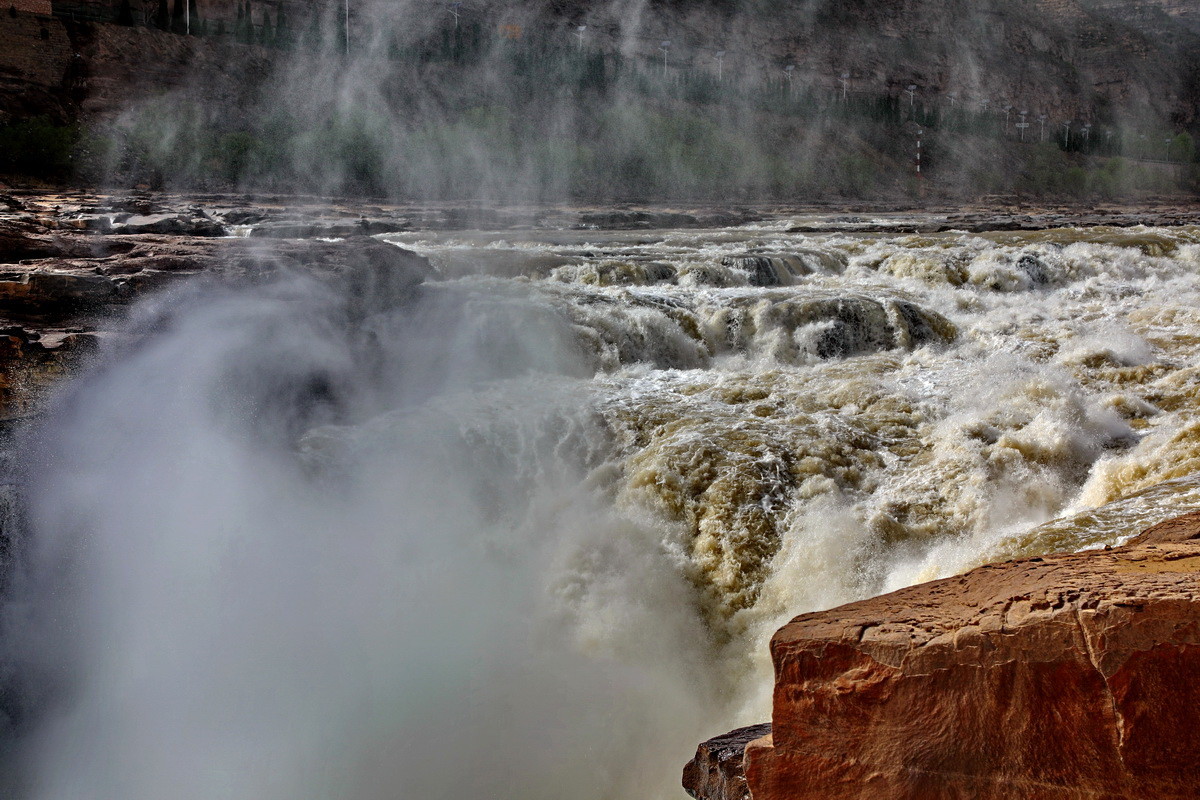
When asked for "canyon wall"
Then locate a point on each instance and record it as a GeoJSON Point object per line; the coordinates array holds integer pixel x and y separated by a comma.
{"type": "Point", "coordinates": [1087, 59]}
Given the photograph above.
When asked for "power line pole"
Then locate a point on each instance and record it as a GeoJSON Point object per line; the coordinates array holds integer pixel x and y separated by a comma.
{"type": "Point", "coordinates": [1022, 125]}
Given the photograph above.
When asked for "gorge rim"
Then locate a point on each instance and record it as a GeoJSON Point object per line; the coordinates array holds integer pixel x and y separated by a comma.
{"type": "Point", "coordinates": [449, 400]}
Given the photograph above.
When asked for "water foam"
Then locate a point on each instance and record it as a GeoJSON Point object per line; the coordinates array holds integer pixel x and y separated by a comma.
{"type": "Point", "coordinates": [528, 536]}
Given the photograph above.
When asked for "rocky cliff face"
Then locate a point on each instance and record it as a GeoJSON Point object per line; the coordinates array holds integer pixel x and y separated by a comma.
{"type": "Point", "coordinates": [1081, 59]}
{"type": "Point", "coordinates": [1070, 676]}
{"type": "Point", "coordinates": [64, 70]}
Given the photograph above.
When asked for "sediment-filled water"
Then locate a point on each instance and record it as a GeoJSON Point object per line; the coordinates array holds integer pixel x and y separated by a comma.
{"type": "Point", "coordinates": [527, 534]}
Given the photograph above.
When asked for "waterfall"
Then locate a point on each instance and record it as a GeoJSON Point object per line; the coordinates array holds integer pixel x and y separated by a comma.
{"type": "Point", "coordinates": [525, 532]}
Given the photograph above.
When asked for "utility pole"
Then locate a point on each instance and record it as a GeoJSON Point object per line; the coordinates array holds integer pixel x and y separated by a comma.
{"type": "Point", "coordinates": [912, 89]}
{"type": "Point", "coordinates": [720, 66]}
{"type": "Point", "coordinates": [1022, 125]}
{"type": "Point", "coordinates": [187, 13]}
{"type": "Point", "coordinates": [1042, 122]}
{"type": "Point", "coordinates": [455, 9]}
{"type": "Point", "coordinates": [787, 71]}
{"type": "Point", "coordinates": [579, 31]}
{"type": "Point", "coordinates": [845, 85]}
{"type": "Point", "coordinates": [919, 134]}
{"type": "Point", "coordinates": [665, 47]}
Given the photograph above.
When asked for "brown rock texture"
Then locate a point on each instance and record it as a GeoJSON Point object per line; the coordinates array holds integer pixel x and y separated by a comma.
{"type": "Point", "coordinates": [1070, 676]}
{"type": "Point", "coordinates": [65, 278]}
{"type": "Point", "coordinates": [36, 58]}
{"type": "Point", "coordinates": [716, 772]}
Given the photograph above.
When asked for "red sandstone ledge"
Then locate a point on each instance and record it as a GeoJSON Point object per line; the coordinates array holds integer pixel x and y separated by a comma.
{"type": "Point", "coordinates": [1070, 676]}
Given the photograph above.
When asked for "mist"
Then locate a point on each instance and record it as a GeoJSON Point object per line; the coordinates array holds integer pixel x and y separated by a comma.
{"type": "Point", "coordinates": [205, 610]}
{"type": "Point", "coordinates": [640, 101]}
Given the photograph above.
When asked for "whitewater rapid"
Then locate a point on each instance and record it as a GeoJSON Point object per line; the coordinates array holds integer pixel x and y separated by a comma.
{"type": "Point", "coordinates": [528, 534]}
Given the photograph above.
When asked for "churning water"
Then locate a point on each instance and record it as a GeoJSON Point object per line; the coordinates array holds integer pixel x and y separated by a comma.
{"type": "Point", "coordinates": [526, 534]}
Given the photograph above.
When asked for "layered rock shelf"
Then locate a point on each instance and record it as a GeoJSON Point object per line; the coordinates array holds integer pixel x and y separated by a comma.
{"type": "Point", "coordinates": [1070, 676]}
{"type": "Point", "coordinates": [65, 277]}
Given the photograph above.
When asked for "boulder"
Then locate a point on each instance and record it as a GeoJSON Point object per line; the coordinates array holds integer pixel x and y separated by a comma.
{"type": "Point", "coordinates": [1070, 676]}
{"type": "Point", "coordinates": [716, 772]}
{"type": "Point", "coordinates": [178, 224]}
{"type": "Point", "coordinates": [20, 241]}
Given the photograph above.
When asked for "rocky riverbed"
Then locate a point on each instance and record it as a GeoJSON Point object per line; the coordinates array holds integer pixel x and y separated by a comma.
{"type": "Point", "coordinates": [658, 433]}
{"type": "Point", "coordinates": [70, 259]}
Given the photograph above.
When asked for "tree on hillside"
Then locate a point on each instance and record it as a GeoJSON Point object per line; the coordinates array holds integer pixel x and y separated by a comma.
{"type": "Point", "coordinates": [245, 23]}
{"type": "Point", "coordinates": [265, 34]}
{"type": "Point", "coordinates": [283, 36]}
{"type": "Point", "coordinates": [1182, 148]}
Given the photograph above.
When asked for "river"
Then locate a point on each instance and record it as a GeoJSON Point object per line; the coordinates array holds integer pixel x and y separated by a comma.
{"type": "Point", "coordinates": [528, 534]}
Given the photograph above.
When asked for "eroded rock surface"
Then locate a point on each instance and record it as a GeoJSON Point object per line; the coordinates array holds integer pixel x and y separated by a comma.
{"type": "Point", "coordinates": [716, 773]}
{"type": "Point", "coordinates": [60, 285]}
{"type": "Point", "coordinates": [1069, 676]}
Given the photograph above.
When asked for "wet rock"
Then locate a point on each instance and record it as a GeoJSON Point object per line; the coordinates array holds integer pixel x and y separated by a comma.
{"type": "Point", "coordinates": [1069, 676]}
{"type": "Point", "coordinates": [176, 224]}
{"type": "Point", "coordinates": [849, 326]}
{"type": "Point", "coordinates": [55, 299]}
{"type": "Point", "coordinates": [769, 270]}
{"type": "Point", "coordinates": [659, 272]}
{"type": "Point", "coordinates": [716, 772]}
{"type": "Point", "coordinates": [244, 216]}
{"type": "Point", "coordinates": [1033, 267]}
{"type": "Point", "coordinates": [332, 229]}
{"type": "Point", "coordinates": [371, 274]}
{"type": "Point", "coordinates": [98, 223]}
{"type": "Point", "coordinates": [32, 360]}
{"type": "Point", "coordinates": [19, 242]}
{"type": "Point", "coordinates": [636, 220]}
{"type": "Point", "coordinates": [41, 290]}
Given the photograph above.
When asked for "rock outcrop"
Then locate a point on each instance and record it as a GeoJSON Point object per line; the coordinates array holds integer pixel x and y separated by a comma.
{"type": "Point", "coordinates": [716, 773]}
{"type": "Point", "coordinates": [60, 284]}
{"type": "Point", "coordinates": [1070, 676]}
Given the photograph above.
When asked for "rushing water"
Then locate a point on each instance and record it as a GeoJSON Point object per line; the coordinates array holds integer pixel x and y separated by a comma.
{"type": "Point", "coordinates": [527, 534]}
